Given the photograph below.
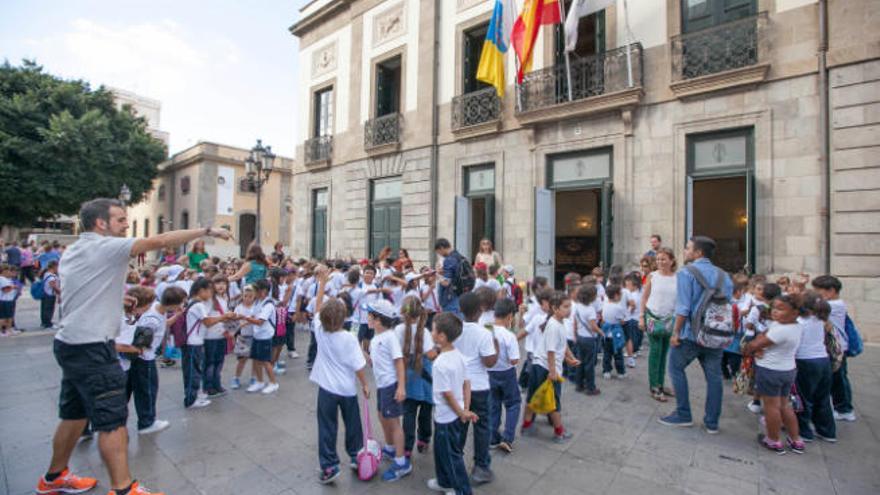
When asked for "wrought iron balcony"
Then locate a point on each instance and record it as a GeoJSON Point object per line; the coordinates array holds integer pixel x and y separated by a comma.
{"type": "Point", "coordinates": [382, 131]}
{"type": "Point", "coordinates": [318, 149]}
{"type": "Point", "coordinates": [601, 82]}
{"type": "Point", "coordinates": [726, 47]}
{"type": "Point", "coordinates": [475, 108]}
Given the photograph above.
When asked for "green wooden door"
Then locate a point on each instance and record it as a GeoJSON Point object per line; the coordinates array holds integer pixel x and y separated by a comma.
{"type": "Point", "coordinates": [384, 227]}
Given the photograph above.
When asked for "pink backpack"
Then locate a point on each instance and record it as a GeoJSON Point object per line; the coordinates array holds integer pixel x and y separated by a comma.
{"type": "Point", "coordinates": [369, 456]}
{"type": "Point", "coordinates": [280, 321]}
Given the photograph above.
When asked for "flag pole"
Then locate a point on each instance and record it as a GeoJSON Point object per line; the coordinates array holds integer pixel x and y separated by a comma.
{"type": "Point", "coordinates": [567, 59]}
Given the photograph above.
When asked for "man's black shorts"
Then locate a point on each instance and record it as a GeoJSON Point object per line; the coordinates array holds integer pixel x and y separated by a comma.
{"type": "Point", "coordinates": [92, 384]}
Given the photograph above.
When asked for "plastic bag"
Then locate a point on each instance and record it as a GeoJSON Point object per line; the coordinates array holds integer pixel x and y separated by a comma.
{"type": "Point", "coordinates": [544, 399]}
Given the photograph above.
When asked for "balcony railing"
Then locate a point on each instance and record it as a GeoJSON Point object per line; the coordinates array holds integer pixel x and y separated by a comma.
{"type": "Point", "coordinates": [382, 131]}
{"type": "Point", "coordinates": [604, 73]}
{"type": "Point", "coordinates": [474, 108]}
{"type": "Point", "coordinates": [733, 45]}
{"type": "Point", "coordinates": [318, 149]}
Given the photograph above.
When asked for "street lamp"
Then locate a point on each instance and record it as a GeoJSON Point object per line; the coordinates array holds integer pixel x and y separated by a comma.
{"type": "Point", "coordinates": [124, 194]}
{"type": "Point", "coordinates": [258, 166]}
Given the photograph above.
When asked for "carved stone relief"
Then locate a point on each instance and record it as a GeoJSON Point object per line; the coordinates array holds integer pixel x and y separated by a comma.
{"type": "Point", "coordinates": [389, 24]}
{"type": "Point", "coordinates": [324, 60]}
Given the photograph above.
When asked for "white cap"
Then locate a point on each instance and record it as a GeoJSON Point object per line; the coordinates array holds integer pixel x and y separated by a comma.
{"type": "Point", "coordinates": [382, 307]}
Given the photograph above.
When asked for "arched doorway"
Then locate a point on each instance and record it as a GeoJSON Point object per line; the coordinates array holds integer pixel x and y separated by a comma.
{"type": "Point", "coordinates": [247, 227]}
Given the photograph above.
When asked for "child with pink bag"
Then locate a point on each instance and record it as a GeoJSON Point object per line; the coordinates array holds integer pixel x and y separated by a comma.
{"type": "Point", "coordinates": [339, 365]}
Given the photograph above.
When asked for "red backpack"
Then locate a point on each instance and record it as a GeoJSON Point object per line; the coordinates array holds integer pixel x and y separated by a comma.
{"type": "Point", "coordinates": [516, 292]}
{"type": "Point", "coordinates": [178, 329]}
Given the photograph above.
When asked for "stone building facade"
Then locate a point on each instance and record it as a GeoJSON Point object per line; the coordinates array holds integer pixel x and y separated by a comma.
{"type": "Point", "coordinates": [206, 185]}
{"type": "Point", "coordinates": [684, 117]}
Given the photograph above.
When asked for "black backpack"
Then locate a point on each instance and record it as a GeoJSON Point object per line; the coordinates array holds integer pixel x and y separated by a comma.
{"type": "Point", "coordinates": [465, 278]}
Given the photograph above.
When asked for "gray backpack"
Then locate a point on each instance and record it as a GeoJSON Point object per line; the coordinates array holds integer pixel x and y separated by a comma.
{"type": "Point", "coordinates": [712, 322]}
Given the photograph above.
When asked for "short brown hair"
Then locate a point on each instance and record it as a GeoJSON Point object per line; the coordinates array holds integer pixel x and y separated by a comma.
{"type": "Point", "coordinates": [332, 315]}
{"type": "Point", "coordinates": [449, 325]}
{"type": "Point", "coordinates": [143, 295]}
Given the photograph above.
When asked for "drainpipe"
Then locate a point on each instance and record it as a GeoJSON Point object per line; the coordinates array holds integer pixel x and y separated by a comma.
{"type": "Point", "coordinates": [825, 125]}
{"type": "Point", "coordinates": [435, 130]}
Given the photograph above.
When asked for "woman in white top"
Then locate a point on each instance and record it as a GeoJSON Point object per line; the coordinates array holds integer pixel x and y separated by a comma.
{"type": "Point", "coordinates": [814, 370]}
{"type": "Point", "coordinates": [656, 317]}
{"type": "Point", "coordinates": [775, 372]}
{"type": "Point", "coordinates": [488, 255]}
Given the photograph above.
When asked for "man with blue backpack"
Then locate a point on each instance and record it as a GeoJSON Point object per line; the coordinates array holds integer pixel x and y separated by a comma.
{"type": "Point", "coordinates": [458, 276]}
{"type": "Point", "coordinates": [829, 287]}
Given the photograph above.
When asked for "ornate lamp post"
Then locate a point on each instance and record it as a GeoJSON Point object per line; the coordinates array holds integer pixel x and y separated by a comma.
{"type": "Point", "coordinates": [258, 166]}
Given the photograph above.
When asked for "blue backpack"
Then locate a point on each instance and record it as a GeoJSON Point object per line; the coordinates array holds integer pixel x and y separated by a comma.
{"type": "Point", "coordinates": [37, 291]}
{"type": "Point", "coordinates": [853, 339]}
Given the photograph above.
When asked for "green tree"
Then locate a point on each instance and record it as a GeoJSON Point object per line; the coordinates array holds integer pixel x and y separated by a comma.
{"type": "Point", "coordinates": [62, 143]}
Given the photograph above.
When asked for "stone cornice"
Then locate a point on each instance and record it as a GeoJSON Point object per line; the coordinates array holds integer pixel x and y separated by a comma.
{"type": "Point", "coordinates": [619, 100]}
{"type": "Point", "coordinates": [744, 76]}
{"type": "Point", "coordinates": [308, 23]}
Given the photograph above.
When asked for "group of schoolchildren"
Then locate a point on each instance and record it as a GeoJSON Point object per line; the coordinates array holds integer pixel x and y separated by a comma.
{"type": "Point", "coordinates": [790, 353]}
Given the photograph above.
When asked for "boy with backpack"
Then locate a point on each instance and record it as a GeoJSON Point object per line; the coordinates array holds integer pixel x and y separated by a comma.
{"type": "Point", "coordinates": [829, 288]}
{"type": "Point", "coordinates": [8, 294]}
{"type": "Point", "coordinates": [512, 290]}
{"type": "Point", "coordinates": [51, 287]}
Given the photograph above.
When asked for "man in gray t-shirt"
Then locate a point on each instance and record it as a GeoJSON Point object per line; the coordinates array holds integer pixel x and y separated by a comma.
{"type": "Point", "coordinates": [92, 273]}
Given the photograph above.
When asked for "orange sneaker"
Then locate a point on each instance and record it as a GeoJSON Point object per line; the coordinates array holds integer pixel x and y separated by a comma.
{"type": "Point", "coordinates": [137, 489]}
{"type": "Point", "coordinates": [67, 482]}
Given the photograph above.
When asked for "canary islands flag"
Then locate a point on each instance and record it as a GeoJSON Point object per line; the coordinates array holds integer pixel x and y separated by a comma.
{"type": "Point", "coordinates": [491, 67]}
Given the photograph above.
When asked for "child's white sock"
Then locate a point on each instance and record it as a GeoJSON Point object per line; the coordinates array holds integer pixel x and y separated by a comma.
{"type": "Point", "coordinates": [400, 461]}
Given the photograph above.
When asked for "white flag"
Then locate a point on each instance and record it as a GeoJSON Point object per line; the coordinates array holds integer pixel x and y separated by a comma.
{"type": "Point", "coordinates": [578, 9]}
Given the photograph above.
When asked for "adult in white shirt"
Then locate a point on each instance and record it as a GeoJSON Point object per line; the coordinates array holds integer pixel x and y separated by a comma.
{"type": "Point", "coordinates": [92, 273]}
{"type": "Point", "coordinates": [478, 348]}
{"type": "Point", "coordinates": [656, 319]}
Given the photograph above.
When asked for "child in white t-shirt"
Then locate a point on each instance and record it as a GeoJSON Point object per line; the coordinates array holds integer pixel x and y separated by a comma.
{"type": "Point", "coordinates": [451, 393]}
{"type": "Point", "coordinates": [530, 325]}
{"type": "Point", "coordinates": [503, 389]}
{"type": "Point", "coordinates": [262, 317]}
{"type": "Point", "coordinates": [551, 352]}
{"type": "Point", "coordinates": [339, 366]}
{"type": "Point", "coordinates": [587, 335]}
{"type": "Point", "coordinates": [197, 323]}
{"type": "Point", "coordinates": [386, 357]}
{"type": "Point", "coordinates": [613, 316]}
{"type": "Point", "coordinates": [215, 338]}
{"type": "Point", "coordinates": [631, 298]}
{"type": "Point", "coordinates": [418, 352]}
{"type": "Point", "coordinates": [244, 337]}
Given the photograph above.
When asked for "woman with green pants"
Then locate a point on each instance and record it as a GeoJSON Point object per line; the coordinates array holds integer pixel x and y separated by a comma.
{"type": "Point", "coordinates": [657, 316]}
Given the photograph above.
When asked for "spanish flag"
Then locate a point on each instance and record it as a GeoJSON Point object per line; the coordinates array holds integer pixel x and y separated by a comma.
{"type": "Point", "coordinates": [525, 30]}
{"type": "Point", "coordinates": [491, 67]}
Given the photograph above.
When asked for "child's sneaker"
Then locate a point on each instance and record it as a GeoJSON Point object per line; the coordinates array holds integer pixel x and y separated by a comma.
{"type": "Point", "coordinates": [505, 447]}
{"type": "Point", "coordinates": [771, 445]}
{"type": "Point", "coordinates": [66, 482]}
{"type": "Point", "coordinates": [328, 475]}
{"type": "Point", "coordinates": [631, 362]}
{"type": "Point", "coordinates": [270, 388]}
{"type": "Point", "coordinates": [606, 375]}
{"type": "Point", "coordinates": [562, 437]}
{"type": "Point", "coordinates": [847, 416]}
{"type": "Point", "coordinates": [755, 407]}
{"type": "Point", "coordinates": [388, 452]}
{"type": "Point", "coordinates": [433, 484]}
{"type": "Point", "coordinates": [421, 446]}
{"type": "Point", "coordinates": [397, 471]}
{"type": "Point", "coordinates": [200, 403]}
{"type": "Point", "coordinates": [797, 447]}
{"type": "Point", "coordinates": [293, 355]}
{"type": "Point", "coordinates": [255, 387]}
{"type": "Point", "coordinates": [235, 384]}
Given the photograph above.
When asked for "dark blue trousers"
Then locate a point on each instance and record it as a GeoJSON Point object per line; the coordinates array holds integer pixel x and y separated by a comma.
{"type": "Point", "coordinates": [480, 407]}
{"type": "Point", "coordinates": [449, 457]}
{"type": "Point", "coordinates": [215, 354]}
{"type": "Point", "coordinates": [329, 407]}
{"type": "Point", "coordinates": [587, 353]}
{"type": "Point", "coordinates": [143, 382]}
{"type": "Point", "coordinates": [504, 391]}
{"type": "Point", "coordinates": [814, 386]}
{"type": "Point", "coordinates": [193, 366]}
{"type": "Point", "coordinates": [841, 390]}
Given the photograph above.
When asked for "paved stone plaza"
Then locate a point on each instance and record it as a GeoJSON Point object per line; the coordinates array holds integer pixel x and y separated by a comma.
{"type": "Point", "coordinates": [256, 445]}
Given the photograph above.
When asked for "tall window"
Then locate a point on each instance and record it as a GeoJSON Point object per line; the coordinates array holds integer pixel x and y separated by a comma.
{"type": "Point", "coordinates": [184, 185]}
{"type": "Point", "coordinates": [385, 214]}
{"type": "Point", "coordinates": [590, 40]}
{"type": "Point", "coordinates": [479, 188]}
{"type": "Point", "coordinates": [319, 223]}
{"type": "Point", "coordinates": [702, 14]}
{"type": "Point", "coordinates": [162, 192]}
{"type": "Point", "coordinates": [472, 47]}
{"type": "Point", "coordinates": [323, 118]}
{"type": "Point", "coordinates": [184, 220]}
{"type": "Point", "coordinates": [161, 224]}
{"type": "Point", "coordinates": [146, 227]}
{"type": "Point", "coordinates": [134, 228]}
{"type": "Point", "coordinates": [388, 77]}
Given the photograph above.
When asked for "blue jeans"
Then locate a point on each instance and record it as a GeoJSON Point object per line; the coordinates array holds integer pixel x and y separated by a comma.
{"type": "Point", "coordinates": [710, 360]}
{"type": "Point", "coordinates": [449, 457]}
{"type": "Point", "coordinates": [328, 423]}
{"type": "Point", "coordinates": [814, 387]}
{"type": "Point", "coordinates": [193, 366]}
{"type": "Point", "coordinates": [608, 354]}
{"type": "Point", "coordinates": [215, 354]}
{"type": "Point", "coordinates": [449, 301]}
{"type": "Point", "coordinates": [587, 353]}
{"type": "Point", "coordinates": [480, 407]}
{"type": "Point", "coordinates": [143, 382]}
{"type": "Point", "coordinates": [504, 391]}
